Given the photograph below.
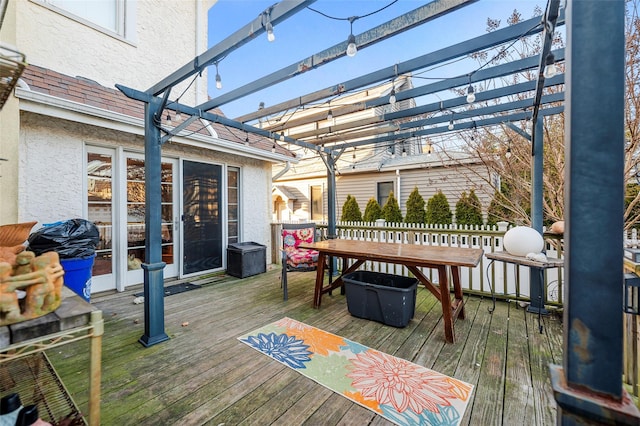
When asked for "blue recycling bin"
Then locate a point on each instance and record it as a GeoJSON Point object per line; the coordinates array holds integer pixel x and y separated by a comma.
{"type": "Point", "coordinates": [77, 275]}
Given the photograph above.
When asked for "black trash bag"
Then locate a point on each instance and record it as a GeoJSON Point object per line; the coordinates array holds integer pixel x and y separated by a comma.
{"type": "Point", "coordinates": [71, 239]}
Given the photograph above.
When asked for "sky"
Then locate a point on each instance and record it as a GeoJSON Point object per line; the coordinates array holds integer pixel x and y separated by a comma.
{"type": "Point", "coordinates": [309, 32]}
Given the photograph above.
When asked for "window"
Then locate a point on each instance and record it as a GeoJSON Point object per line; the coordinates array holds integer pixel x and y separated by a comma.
{"type": "Point", "coordinates": [384, 189]}
{"type": "Point", "coordinates": [233, 204]}
{"type": "Point", "coordinates": [316, 202]}
{"type": "Point", "coordinates": [101, 14]}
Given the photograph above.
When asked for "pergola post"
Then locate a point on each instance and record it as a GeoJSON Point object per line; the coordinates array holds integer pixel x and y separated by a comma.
{"type": "Point", "coordinates": [153, 266]}
{"type": "Point", "coordinates": [588, 386]}
{"type": "Point", "coordinates": [331, 207]}
{"type": "Point", "coordinates": [536, 275]}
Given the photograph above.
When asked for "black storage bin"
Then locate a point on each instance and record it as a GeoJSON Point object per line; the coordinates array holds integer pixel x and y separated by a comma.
{"type": "Point", "coordinates": [386, 298]}
{"type": "Point", "coordinates": [246, 259]}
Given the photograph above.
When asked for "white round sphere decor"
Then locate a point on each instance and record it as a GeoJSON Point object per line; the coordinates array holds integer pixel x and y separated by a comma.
{"type": "Point", "coordinates": [522, 240]}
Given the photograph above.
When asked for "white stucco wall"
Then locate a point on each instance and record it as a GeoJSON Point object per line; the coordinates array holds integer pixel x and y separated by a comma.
{"type": "Point", "coordinates": [164, 40]}
{"type": "Point", "coordinates": [52, 170]}
{"type": "Point", "coordinates": [53, 173]}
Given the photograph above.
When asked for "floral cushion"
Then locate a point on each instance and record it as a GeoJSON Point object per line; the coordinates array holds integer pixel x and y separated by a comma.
{"type": "Point", "coordinates": [299, 258]}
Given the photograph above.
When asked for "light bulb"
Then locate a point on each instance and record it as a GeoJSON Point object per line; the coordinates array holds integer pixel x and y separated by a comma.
{"type": "Point", "coordinates": [450, 126]}
{"type": "Point", "coordinates": [178, 116]}
{"type": "Point", "coordinates": [428, 149]}
{"type": "Point", "coordinates": [352, 49]}
{"type": "Point", "coordinates": [550, 70]}
{"type": "Point", "coordinates": [168, 119]}
{"type": "Point", "coordinates": [329, 115]}
{"type": "Point", "coordinates": [404, 152]}
{"type": "Point", "coordinates": [282, 136]}
{"type": "Point", "coordinates": [270, 35]}
{"type": "Point", "coordinates": [273, 148]}
{"type": "Point", "coordinates": [508, 153]}
{"type": "Point", "coordinates": [392, 97]}
{"type": "Point", "coordinates": [471, 96]}
{"type": "Point", "coordinates": [218, 82]}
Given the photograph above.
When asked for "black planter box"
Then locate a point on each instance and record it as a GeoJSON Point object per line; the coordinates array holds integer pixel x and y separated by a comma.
{"type": "Point", "coordinates": [386, 298]}
{"type": "Point", "coordinates": [246, 259]}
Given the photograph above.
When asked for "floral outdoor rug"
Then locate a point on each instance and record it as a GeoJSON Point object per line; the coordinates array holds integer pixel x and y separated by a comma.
{"type": "Point", "coordinates": [400, 391]}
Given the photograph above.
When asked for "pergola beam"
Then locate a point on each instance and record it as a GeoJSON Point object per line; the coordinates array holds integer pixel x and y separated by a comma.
{"type": "Point", "coordinates": [384, 31]}
{"type": "Point", "coordinates": [214, 118]}
{"type": "Point", "coordinates": [277, 13]}
{"type": "Point", "coordinates": [485, 41]}
{"type": "Point", "coordinates": [460, 126]}
{"type": "Point", "coordinates": [484, 74]}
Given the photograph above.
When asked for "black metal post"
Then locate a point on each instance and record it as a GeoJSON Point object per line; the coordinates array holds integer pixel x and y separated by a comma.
{"type": "Point", "coordinates": [331, 211]}
{"type": "Point", "coordinates": [536, 275]}
{"type": "Point", "coordinates": [153, 267]}
{"type": "Point", "coordinates": [588, 386]}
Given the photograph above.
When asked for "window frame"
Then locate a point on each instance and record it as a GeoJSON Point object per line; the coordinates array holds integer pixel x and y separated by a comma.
{"type": "Point", "coordinates": [382, 201]}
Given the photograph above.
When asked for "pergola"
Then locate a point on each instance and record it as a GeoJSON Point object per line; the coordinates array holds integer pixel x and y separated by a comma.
{"type": "Point", "coordinates": [594, 135]}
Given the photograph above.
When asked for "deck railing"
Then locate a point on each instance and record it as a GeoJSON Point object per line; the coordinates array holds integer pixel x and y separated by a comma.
{"type": "Point", "coordinates": [489, 278]}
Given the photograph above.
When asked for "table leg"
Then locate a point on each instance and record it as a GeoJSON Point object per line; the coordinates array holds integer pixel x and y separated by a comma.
{"type": "Point", "coordinates": [457, 290]}
{"type": "Point", "coordinates": [445, 300]}
{"type": "Point", "coordinates": [317, 295]}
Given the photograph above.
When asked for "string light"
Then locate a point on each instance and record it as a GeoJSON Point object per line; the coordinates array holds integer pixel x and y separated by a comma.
{"type": "Point", "coordinates": [471, 96]}
{"type": "Point", "coordinates": [282, 136]}
{"type": "Point", "coordinates": [352, 49]}
{"type": "Point", "coordinates": [508, 153]}
{"type": "Point", "coordinates": [168, 119]}
{"type": "Point", "coordinates": [392, 97]}
{"type": "Point", "coordinates": [330, 115]}
{"type": "Point", "coordinates": [273, 147]}
{"type": "Point", "coordinates": [178, 115]}
{"type": "Point", "coordinates": [550, 68]}
{"type": "Point", "coordinates": [246, 139]}
{"type": "Point", "coordinates": [268, 26]}
{"type": "Point", "coordinates": [218, 79]}
{"type": "Point", "coordinates": [428, 149]}
{"type": "Point", "coordinates": [404, 151]}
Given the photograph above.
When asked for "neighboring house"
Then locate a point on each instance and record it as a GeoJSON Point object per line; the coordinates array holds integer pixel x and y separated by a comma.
{"type": "Point", "coordinates": [452, 173]}
{"type": "Point", "coordinates": [300, 190]}
{"type": "Point", "coordinates": [74, 144]}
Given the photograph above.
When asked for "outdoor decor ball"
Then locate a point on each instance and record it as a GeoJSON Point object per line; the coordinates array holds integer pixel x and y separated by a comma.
{"type": "Point", "coordinates": [522, 240]}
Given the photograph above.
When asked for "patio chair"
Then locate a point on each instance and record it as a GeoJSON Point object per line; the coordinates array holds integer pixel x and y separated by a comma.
{"type": "Point", "coordinates": [293, 257]}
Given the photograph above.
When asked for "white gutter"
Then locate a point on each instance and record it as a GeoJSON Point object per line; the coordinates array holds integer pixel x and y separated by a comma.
{"type": "Point", "coordinates": [281, 172]}
{"type": "Point", "coordinates": [51, 106]}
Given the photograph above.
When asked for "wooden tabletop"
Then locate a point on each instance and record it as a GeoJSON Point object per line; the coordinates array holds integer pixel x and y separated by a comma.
{"type": "Point", "coordinates": [393, 252]}
{"type": "Point", "coordinates": [503, 256]}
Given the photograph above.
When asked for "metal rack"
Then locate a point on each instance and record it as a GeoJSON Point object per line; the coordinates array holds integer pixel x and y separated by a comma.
{"type": "Point", "coordinates": [24, 344]}
{"type": "Point", "coordinates": [12, 64]}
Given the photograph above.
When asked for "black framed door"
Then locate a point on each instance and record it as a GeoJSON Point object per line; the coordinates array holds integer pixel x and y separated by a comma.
{"type": "Point", "coordinates": [201, 217]}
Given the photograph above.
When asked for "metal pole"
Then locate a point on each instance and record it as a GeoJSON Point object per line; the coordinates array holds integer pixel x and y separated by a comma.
{"type": "Point", "coordinates": [588, 386]}
{"type": "Point", "coordinates": [331, 208]}
{"type": "Point", "coordinates": [153, 266]}
{"type": "Point", "coordinates": [536, 275]}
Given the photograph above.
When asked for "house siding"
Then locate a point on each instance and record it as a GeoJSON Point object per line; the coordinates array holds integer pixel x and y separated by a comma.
{"type": "Point", "coordinates": [452, 180]}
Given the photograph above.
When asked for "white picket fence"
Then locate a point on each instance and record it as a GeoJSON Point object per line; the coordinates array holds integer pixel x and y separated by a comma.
{"type": "Point", "coordinates": [508, 281]}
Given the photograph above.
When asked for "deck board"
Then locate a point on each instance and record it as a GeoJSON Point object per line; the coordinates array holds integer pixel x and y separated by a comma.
{"type": "Point", "coordinates": [204, 375]}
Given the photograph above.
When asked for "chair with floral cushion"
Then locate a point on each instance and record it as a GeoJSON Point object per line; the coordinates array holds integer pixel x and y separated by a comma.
{"type": "Point", "coordinates": [293, 257]}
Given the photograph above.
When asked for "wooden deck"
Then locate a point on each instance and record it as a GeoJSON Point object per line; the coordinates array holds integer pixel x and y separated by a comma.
{"type": "Point", "coordinates": [204, 375]}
